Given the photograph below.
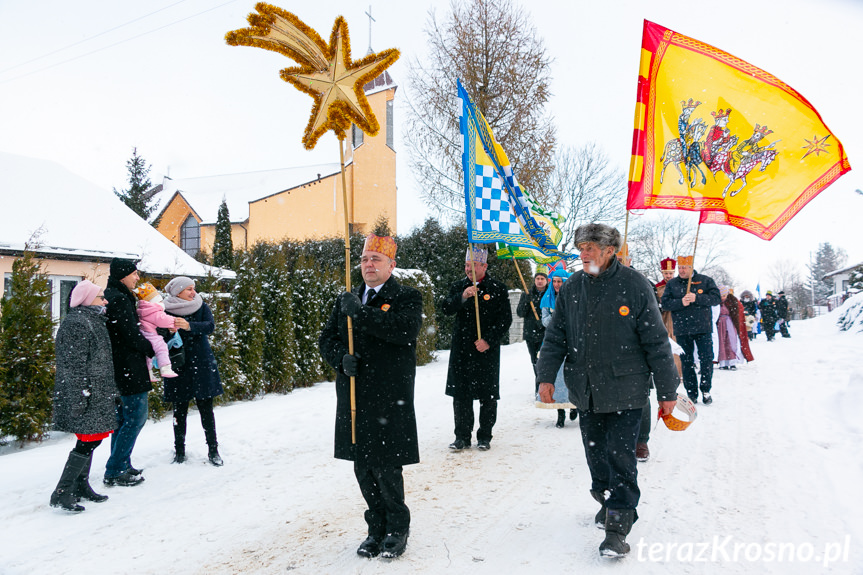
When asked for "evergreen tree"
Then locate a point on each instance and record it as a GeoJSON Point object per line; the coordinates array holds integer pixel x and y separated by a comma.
{"type": "Point", "coordinates": [136, 196]}
{"type": "Point", "coordinates": [827, 259]}
{"type": "Point", "coordinates": [855, 281]}
{"type": "Point", "coordinates": [277, 313]}
{"type": "Point", "coordinates": [226, 348]}
{"type": "Point", "coordinates": [26, 353]}
{"type": "Point", "coordinates": [223, 245]}
{"type": "Point", "coordinates": [314, 291]}
{"type": "Point", "coordinates": [382, 226]}
{"type": "Point", "coordinates": [247, 307]}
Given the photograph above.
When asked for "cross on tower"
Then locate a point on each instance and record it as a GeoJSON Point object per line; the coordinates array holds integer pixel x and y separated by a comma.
{"type": "Point", "coordinates": [371, 19]}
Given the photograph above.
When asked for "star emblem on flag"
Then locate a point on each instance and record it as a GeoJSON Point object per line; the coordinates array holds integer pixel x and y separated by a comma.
{"type": "Point", "coordinates": [816, 145]}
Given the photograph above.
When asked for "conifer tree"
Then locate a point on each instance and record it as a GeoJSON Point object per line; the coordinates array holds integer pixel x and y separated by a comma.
{"type": "Point", "coordinates": [279, 347]}
{"type": "Point", "coordinates": [246, 306]}
{"type": "Point", "coordinates": [26, 353]}
{"type": "Point", "coordinates": [226, 348]}
{"type": "Point", "coordinates": [223, 245]}
{"type": "Point", "coordinates": [314, 291]}
{"type": "Point", "coordinates": [139, 184]}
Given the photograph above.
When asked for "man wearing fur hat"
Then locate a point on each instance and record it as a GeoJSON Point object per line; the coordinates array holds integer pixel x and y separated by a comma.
{"type": "Point", "coordinates": [474, 361]}
{"type": "Point", "coordinates": [608, 330]}
{"type": "Point", "coordinates": [386, 320]}
{"type": "Point", "coordinates": [129, 351]}
{"type": "Point", "coordinates": [690, 306]}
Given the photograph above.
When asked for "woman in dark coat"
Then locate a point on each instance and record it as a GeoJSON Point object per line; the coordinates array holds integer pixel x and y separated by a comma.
{"type": "Point", "coordinates": [198, 378]}
{"type": "Point", "coordinates": [84, 391]}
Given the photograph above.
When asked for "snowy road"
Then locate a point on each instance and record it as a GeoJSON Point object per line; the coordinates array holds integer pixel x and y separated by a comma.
{"type": "Point", "coordinates": [765, 481]}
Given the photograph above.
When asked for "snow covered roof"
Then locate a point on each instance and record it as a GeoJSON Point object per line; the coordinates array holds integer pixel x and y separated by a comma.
{"type": "Point", "coordinates": [843, 271]}
{"type": "Point", "coordinates": [205, 194]}
{"type": "Point", "coordinates": [76, 218]}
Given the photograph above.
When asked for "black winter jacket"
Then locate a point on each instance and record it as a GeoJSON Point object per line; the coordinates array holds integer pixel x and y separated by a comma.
{"type": "Point", "coordinates": [532, 329]}
{"type": "Point", "coordinates": [696, 317]}
{"type": "Point", "coordinates": [129, 348]}
{"type": "Point", "coordinates": [609, 332]}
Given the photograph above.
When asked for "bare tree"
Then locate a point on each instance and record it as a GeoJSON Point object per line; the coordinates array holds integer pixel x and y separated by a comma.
{"type": "Point", "coordinates": [783, 274]}
{"type": "Point", "coordinates": [585, 188]}
{"type": "Point", "coordinates": [493, 47]}
{"type": "Point", "coordinates": [659, 236]}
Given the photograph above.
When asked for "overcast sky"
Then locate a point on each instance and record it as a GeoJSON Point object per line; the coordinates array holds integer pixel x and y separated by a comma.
{"type": "Point", "coordinates": [83, 82]}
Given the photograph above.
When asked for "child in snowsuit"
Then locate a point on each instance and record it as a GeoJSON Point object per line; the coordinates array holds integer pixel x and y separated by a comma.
{"type": "Point", "coordinates": [151, 312]}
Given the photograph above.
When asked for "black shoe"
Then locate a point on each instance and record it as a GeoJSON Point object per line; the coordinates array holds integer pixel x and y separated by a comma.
{"type": "Point", "coordinates": [705, 397]}
{"type": "Point", "coordinates": [369, 548]}
{"type": "Point", "coordinates": [132, 471]}
{"type": "Point", "coordinates": [483, 445]}
{"type": "Point", "coordinates": [214, 457]}
{"type": "Point", "coordinates": [459, 444]}
{"type": "Point", "coordinates": [618, 523]}
{"type": "Point", "coordinates": [573, 413]}
{"type": "Point", "coordinates": [693, 399]}
{"type": "Point", "coordinates": [561, 419]}
{"type": "Point", "coordinates": [125, 479]}
{"type": "Point", "coordinates": [394, 544]}
{"type": "Point", "coordinates": [732, 367]}
{"type": "Point", "coordinates": [179, 454]}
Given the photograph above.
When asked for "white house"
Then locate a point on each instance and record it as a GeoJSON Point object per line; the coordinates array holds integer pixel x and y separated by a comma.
{"type": "Point", "coordinates": [840, 279]}
{"type": "Point", "coordinates": [76, 228]}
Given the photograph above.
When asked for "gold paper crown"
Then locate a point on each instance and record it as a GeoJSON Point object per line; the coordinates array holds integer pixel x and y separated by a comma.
{"type": "Point", "coordinates": [381, 244]}
{"type": "Point", "coordinates": [146, 291]}
{"type": "Point", "coordinates": [685, 260]}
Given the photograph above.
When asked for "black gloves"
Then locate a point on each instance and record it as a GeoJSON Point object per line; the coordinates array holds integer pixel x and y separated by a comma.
{"type": "Point", "coordinates": [350, 304]}
{"type": "Point", "coordinates": [351, 364]}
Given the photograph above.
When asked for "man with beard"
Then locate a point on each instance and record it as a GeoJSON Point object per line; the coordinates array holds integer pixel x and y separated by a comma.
{"type": "Point", "coordinates": [474, 361]}
{"type": "Point", "coordinates": [386, 321]}
{"type": "Point", "coordinates": [607, 328]}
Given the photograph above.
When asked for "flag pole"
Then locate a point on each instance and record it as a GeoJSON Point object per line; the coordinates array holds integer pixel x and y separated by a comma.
{"type": "Point", "coordinates": [348, 288]}
{"type": "Point", "coordinates": [524, 285]}
{"type": "Point", "coordinates": [626, 231]}
{"type": "Point", "coordinates": [695, 247]}
{"type": "Point", "coordinates": [475, 291]}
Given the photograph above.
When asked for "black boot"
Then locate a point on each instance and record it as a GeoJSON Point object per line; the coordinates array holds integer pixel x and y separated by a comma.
{"type": "Point", "coordinates": [83, 490]}
{"type": "Point", "coordinates": [599, 520]}
{"type": "Point", "coordinates": [394, 544]}
{"type": "Point", "coordinates": [179, 441]}
{"type": "Point", "coordinates": [213, 455]}
{"type": "Point", "coordinates": [561, 418]}
{"type": "Point", "coordinates": [64, 494]}
{"type": "Point", "coordinates": [618, 523]}
{"type": "Point", "coordinates": [179, 454]}
{"type": "Point", "coordinates": [573, 413]}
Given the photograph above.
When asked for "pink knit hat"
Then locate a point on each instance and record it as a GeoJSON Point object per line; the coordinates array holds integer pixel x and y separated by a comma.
{"type": "Point", "coordinates": [84, 293]}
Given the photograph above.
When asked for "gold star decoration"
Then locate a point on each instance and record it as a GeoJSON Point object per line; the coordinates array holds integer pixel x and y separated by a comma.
{"type": "Point", "coordinates": [326, 72]}
{"type": "Point", "coordinates": [816, 145]}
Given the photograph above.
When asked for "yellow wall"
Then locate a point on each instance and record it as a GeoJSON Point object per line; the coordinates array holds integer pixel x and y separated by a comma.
{"type": "Point", "coordinates": [314, 210]}
{"type": "Point", "coordinates": [173, 217]}
{"type": "Point", "coordinates": [96, 273]}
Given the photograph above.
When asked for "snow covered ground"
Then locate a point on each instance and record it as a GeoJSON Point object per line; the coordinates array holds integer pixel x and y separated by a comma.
{"type": "Point", "coordinates": [767, 480]}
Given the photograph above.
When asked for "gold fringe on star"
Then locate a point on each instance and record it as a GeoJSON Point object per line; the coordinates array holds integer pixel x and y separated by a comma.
{"type": "Point", "coordinates": [326, 72]}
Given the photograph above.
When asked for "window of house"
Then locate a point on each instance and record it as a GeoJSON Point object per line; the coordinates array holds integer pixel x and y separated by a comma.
{"type": "Point", "coordinates": [7, 285]}
{"type": "Point", "coordinates": [356, 136]}
{"type": "Point", "coordinates": [390, 124]}
{"type": "Point", "coordinates": [190, 236]}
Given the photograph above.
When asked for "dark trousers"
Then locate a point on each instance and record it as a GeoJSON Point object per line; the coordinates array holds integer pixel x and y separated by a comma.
{"type": "Point", "coordinates": [609, 444]}
{"type": "Point", "coordinates": [769, 328]}
{"type": "Point", "coordinates": [646, 421]}
{"type": "Point", "coordinates": [463, 411]}
{"type": "Point", "coordinates": [86, 448]}
{"type": "Point", "coordinates": [783, 328]}
{"type": "Point", "coordinates": [208, 421]}
{"type": "Point", "coordinates": [533, 350]}
{"type": "Point", "coordinates": [383, 488]}
{"type": "Point", "coordinates": [704, 341]}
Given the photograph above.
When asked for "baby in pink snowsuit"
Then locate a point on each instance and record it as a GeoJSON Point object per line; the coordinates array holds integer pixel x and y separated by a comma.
{"type": "Point", "coordinates": [151, 312]}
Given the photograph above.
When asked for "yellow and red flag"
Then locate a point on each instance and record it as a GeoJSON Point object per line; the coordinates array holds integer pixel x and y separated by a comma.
{"type": "Point", "coordinates": [717, 135]}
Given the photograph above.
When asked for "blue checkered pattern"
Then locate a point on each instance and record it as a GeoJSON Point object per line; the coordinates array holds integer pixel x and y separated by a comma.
{"type": "Point", "coordinates": [492, 210]}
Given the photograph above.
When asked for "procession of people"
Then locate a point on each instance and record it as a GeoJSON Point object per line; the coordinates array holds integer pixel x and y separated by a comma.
{"type": "Point", "coordinates": [104, 353]}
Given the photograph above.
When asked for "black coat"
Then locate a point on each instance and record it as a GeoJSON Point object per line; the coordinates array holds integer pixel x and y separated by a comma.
{"type": "Point", "coordinates": [697, 317]}
{"type": "Point", "coordinates": [84, 389]}
{"type": "Point", "coordinates": [198, 378]}
{"type": "Point", "coordinates": [130, 349]}
{"type": "Point", "coordinates": [471, 374]}
{"type": "Point", "coordinates": [781, 308]}
{"type": "Point", "coordinates": [609, 332]}
{"type": "Point", "coordinates": [750, 307]}
{"type": "Point", "coordinates": [385, 335]}
{"type": "Point", "coordinates": [769, 314]}
{"type": "Point", "coordinates": [532, 330]}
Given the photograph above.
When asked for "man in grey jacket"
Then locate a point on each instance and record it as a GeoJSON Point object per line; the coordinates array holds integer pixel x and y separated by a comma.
{"type": "Point", "coordinates": [608, 330]}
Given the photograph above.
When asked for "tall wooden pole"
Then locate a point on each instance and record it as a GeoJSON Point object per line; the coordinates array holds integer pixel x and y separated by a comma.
{"type": "Point", "coordinates": [524, 285]}
{"type": "Point", "coordinates": [689, 283]}
{"type": "Point", "coordinates": [475, 292]}
{"type": "Point", "coordinates": [348, 288]}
